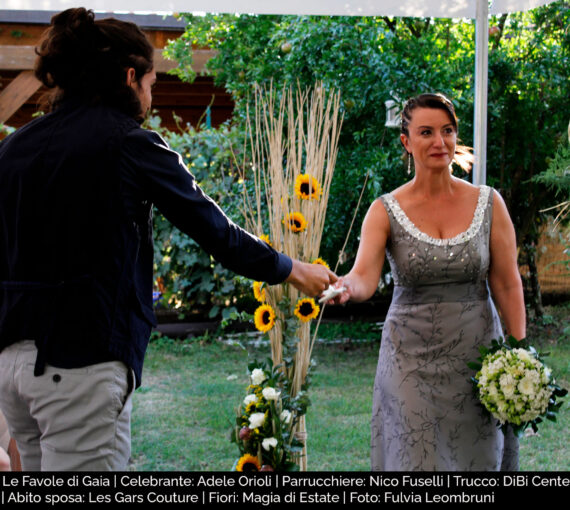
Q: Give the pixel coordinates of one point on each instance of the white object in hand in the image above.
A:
(331, 293)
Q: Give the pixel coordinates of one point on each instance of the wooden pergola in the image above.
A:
(20, 91)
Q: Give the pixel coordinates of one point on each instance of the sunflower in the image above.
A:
(321, 262)
(259, 291)
(306, 309)
(264, 318)
(307, 187)
(296, 222)
(248, 463)
(265, 237)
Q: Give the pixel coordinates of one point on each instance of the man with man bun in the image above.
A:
(77, 188)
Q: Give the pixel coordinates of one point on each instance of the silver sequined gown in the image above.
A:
(424, 415)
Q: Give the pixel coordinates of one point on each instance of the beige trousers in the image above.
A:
(66, 419)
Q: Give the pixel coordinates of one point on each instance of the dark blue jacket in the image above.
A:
(76, 249)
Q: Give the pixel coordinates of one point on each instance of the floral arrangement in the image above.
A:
(293, 144)
(514, 385)
(266, 421)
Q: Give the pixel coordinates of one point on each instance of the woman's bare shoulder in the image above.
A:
(466, 188)
(378, 207)
(377, 216)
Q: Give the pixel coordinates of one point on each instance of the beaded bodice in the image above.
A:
(417, 259)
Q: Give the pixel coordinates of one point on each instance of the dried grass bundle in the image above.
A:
(293, 144)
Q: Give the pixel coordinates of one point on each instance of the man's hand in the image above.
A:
(310, 279)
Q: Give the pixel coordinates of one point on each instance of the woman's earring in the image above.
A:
(409, 163)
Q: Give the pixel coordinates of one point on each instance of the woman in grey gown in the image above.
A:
(450, 246)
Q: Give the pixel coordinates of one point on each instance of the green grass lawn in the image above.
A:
(186, 405)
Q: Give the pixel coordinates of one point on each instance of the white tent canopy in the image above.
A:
(411, 8)
(478, 10)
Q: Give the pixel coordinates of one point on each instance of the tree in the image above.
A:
(529, 102)
(373, 59)
(365, 58)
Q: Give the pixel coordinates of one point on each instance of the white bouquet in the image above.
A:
(515, 386)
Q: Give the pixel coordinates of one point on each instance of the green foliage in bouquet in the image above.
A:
(514, 385)
(266, 420)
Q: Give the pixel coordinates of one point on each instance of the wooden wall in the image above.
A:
(170, 95)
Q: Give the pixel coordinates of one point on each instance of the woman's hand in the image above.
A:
(342, 286)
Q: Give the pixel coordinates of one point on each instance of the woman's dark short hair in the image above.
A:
(80, 57)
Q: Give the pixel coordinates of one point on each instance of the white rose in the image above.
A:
(256, 420)
(524, 355)
(249, 399)
(270, 394)
(496, 366)
(526, 385)
(543, 399)
(286, 416)
(269, 442)
(507, 385)
(258, 376)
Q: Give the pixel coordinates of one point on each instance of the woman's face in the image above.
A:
(432, 138)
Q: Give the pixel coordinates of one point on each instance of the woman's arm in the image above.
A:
(362, 280)
(504, 276)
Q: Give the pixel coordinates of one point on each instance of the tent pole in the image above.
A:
(481, 80)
